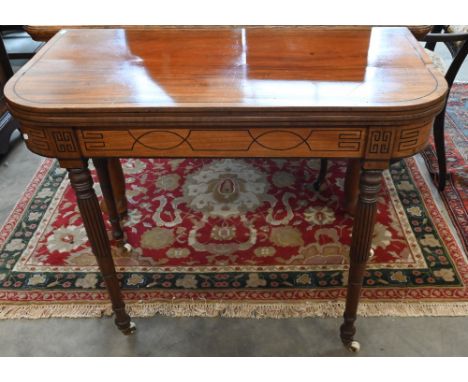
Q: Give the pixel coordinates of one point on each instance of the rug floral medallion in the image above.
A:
(232, 237)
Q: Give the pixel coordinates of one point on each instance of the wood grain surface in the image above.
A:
(302, 69)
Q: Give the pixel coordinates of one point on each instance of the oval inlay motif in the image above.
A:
(161, 140)
(280, 140)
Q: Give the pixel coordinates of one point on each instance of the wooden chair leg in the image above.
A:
(351, 187)
(7, 126)
(322, 173)
(102, 169)
(364, 221)
(439, 141)
(117, 181)
(82, 183)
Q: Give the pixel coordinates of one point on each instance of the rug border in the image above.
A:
(15, 216)
(235, 309)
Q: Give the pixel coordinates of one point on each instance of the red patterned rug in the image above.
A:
(455, 195)
(245, 238)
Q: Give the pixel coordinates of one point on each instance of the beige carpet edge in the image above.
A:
(235, 309)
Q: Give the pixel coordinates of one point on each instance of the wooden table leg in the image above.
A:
(102, 169)
(351, 187)
(364, 221)
(82, 183)
(117, 181)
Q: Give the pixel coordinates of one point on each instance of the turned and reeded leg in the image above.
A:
(109, 199)
(364, 221)
(82, 183)
(351, 186)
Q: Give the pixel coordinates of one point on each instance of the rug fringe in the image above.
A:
(236, 309)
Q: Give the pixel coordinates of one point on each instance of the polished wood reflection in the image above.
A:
(241, 67)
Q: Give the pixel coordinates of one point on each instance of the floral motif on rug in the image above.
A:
(231, 230)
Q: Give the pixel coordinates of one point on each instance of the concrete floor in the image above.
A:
(165, 336)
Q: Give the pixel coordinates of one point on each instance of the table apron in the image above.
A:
(370, 142)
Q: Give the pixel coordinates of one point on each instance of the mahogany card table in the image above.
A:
(366, 94)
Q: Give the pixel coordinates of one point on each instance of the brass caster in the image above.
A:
(130, 330)
(353, 346)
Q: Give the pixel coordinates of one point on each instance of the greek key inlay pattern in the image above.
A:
(409, 138)
(64, 141)
(380, 141)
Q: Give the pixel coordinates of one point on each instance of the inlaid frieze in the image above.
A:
(226, 142)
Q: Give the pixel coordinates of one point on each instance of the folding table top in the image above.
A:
(145, 70)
